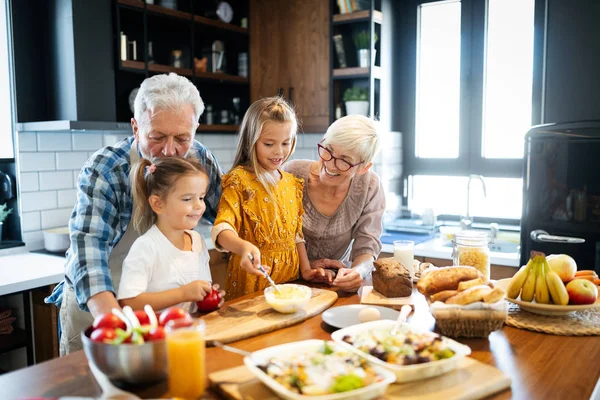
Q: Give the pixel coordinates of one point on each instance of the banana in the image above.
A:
(557, 288)
(542, 295)
(516, 283)
(528, 290)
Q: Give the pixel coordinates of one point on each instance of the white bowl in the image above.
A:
(288, 306)
(405, 373)
(57, 239)
(287, 350)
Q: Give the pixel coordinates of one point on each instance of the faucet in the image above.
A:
(465, 223)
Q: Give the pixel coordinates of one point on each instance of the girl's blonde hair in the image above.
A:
(355, 133)
(269, 109)
(157, 177)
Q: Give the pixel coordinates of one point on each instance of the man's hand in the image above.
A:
(102, 303)
(348, 279)
(326, 263)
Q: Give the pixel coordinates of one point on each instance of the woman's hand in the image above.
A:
(195, 290)
(251, 266)
(318, 275)
(348, 279)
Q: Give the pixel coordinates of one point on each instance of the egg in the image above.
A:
(369, 314)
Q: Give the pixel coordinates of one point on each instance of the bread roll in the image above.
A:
(495, 295)
(464, 285)
(443, 295)
(446, 279)
(471, 295)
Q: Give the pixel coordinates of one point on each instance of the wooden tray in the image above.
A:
(472, 380)
(373, 297)
(254, 316)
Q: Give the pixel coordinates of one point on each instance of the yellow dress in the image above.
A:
(271, 226)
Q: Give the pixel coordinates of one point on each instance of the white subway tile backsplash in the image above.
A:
(88, 141)
(56, 180)
(37, 162)
(27, 141)
(71, 160)
(111, 139)
(29, 182)
(310, 140)
(304, 154)
(31, 221)
(56, 218)
(60, 141)
(75, 178)
(36, 201)
(34, 240)
(224, 156)
(67, 198)
(225, 166)
(220, 141)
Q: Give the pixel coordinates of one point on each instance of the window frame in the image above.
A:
(472, 70)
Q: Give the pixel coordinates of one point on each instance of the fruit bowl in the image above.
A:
(293, 297)
(546, 309)
(127, 363)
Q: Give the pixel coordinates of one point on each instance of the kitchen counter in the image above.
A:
(541, 366)
(25, 271)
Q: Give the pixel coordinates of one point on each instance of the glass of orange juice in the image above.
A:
(186, 353)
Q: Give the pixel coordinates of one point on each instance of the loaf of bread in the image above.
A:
(446, 279)
(391, 279)
(470, 295)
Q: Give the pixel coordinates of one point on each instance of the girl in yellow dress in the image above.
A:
(260, 212)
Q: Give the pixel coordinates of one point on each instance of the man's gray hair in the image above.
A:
(164, 91)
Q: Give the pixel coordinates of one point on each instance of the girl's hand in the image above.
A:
(221, 294)
(319, 275)
(196, 290)
(249, 266)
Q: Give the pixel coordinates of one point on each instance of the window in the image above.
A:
(6, 109)
(474, 79)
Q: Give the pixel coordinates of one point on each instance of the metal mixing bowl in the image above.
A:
(127, 363)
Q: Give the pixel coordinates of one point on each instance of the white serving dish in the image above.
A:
(288, 306)
(289, 349)
(546, 309)
(344, 316)
(405, 373)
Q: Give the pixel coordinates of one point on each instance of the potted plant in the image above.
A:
(4, 211)
(362, 42)
(357, 101)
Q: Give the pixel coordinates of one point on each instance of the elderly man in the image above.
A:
(167, 109)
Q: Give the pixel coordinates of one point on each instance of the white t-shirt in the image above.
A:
(154, 264)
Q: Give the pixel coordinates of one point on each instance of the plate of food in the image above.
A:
(412, 353)
(317, 369)
(551, 309)
(344, 316)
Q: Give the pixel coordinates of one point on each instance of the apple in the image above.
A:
(108, 320)
(563, 265)
(582, 291)
(173, 314)
(210, 302)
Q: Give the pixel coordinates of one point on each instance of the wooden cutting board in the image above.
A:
(472, 380)
(254, 316)
(371, 296)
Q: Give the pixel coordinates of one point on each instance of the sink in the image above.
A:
(499, 246)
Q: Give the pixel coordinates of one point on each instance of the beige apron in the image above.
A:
(72, 319)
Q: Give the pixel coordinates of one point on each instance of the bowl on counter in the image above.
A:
(127, 363)
(57, 239)
(291, 299)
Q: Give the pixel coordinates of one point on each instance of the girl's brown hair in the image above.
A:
(274, 109)
(157, 177)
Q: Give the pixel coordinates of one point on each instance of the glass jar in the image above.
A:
(471, 249)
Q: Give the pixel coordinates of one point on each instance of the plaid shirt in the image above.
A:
(102, 214)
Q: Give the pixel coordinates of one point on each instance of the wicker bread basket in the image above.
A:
(475, 320)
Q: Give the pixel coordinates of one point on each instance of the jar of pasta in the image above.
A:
(471, 248)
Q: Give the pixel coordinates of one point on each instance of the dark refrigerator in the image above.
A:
(561, 192)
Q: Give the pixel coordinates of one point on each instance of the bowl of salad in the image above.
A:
(320, 370)
(411, 354)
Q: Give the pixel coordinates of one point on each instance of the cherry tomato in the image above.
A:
(103, 335)
(173, 313)
(210, 302)
(108, 320)
(157, 333)
(142, 317)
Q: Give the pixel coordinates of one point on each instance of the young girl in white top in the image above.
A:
(167, 265)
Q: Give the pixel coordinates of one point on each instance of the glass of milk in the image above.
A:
(404, 253)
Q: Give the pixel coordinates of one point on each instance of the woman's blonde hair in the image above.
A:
(269, 109)
(356, 133)
(157, 177)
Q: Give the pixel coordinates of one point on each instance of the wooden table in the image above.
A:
(541, 366)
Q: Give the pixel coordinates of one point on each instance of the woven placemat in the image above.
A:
(579, 323)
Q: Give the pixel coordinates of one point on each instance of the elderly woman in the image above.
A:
(343, 201)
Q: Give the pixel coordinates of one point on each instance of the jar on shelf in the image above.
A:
(471, 249)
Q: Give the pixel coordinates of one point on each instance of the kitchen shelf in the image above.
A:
(358, 16)
(130, 64)
(218, 128)
(132, 3)
(156, 9)
(221, 77)
(355, 72)
(219, 24)
(16, 340)
(167, 68)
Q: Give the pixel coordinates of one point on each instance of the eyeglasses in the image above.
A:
(341, 164)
